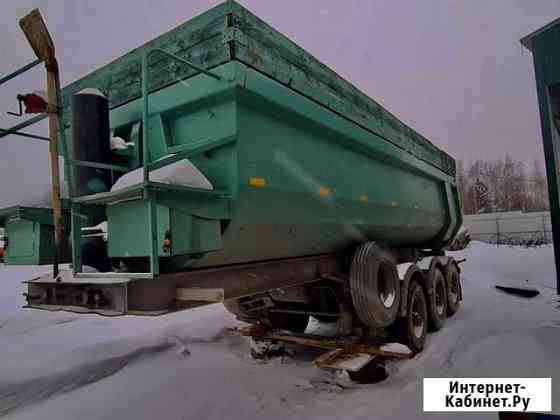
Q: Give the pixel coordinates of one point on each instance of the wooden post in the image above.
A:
(36, 32)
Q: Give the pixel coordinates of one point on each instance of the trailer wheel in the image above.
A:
(438, 301)
(414, 326)
(374, 285)
(453, 288)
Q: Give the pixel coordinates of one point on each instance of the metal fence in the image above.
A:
(511, 228)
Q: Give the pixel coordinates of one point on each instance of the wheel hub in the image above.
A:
(440, 302)
(417, 319)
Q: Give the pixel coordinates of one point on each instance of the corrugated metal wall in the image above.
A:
(510, 227)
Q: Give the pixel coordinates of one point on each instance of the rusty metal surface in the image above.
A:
(248, 279)
(149, 296)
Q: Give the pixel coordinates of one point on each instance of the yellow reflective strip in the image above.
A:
(395, 204)
(257, 182)
(324, 191)
(364, 198)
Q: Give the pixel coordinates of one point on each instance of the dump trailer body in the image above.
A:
(249, 167)
(302, 163)
(291, 178)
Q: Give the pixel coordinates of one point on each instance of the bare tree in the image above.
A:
(538, 189)
(462, 187)
(501, 185)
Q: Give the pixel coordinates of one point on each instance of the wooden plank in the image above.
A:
(382, 350)
(200, 294)
(340, 359)
(36, 32)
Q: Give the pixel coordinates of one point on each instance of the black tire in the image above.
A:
(414, 326)
(371, 373)
(453, 287)
(296, 323)
(374, 285)
(438, 300)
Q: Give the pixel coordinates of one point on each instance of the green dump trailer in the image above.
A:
(235, 167)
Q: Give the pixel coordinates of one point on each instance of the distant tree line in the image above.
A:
(501, 185)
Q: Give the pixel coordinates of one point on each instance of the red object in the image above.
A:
(35, 103)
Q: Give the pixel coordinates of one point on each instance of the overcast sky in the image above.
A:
(453, 70)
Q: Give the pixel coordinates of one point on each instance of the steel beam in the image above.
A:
(22, 125)
(171, 292)
(28, 135)
(19, 71)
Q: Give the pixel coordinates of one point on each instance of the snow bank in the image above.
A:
(186, 365)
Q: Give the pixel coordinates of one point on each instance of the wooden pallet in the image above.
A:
(347, 353)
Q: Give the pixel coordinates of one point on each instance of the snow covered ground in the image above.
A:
(186, 365)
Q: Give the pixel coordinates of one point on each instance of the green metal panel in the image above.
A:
(23, 236)
(31, 235)
(193, 235)
(377, 192)
(31, 243)
(546, 58)
(130, 237)
(129, 228)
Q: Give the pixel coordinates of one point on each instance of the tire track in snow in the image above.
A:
(16, 395)
(33, 328)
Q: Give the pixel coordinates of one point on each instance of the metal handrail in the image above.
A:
(152, 213)
(14, 130)
(145, 94)
(89, 164)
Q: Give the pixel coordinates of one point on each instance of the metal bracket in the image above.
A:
(20, 112)
(234, 34)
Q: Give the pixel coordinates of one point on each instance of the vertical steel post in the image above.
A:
(544, 46)
(76, 226)
(550, 153)
(145, 123)
(149, 198)
(153, 226)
